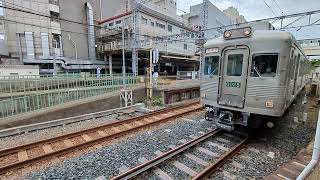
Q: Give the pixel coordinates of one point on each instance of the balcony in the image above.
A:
(54, 6)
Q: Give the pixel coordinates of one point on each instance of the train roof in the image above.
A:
(257, 35)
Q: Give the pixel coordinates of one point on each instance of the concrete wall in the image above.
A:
(26, 22)
(75, 11)
(216, 18)
(106, 103)
(113, 8)
(7, 70)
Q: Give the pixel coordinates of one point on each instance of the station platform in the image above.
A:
(176, 91)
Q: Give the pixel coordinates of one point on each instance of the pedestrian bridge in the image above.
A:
(311, 47)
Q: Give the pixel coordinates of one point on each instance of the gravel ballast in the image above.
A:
(271, 148)
(107, 161)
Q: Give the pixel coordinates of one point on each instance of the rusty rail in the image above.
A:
(182, 110)
(221, 161)
(202, 175)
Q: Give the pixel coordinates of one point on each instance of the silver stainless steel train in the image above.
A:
(250, 74)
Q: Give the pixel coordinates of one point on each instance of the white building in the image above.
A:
(235, 16)
(37, 31)
(18, 70)
(156, 18)
(216, 18)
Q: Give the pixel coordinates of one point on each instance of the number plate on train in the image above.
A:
(233, 84)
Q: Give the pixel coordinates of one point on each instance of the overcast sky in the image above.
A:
(257, 9)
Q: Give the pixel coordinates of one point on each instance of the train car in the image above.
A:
(248, 74)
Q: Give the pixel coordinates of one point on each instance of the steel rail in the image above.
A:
(150, 164)
(221, 161)
(75, 134)
(86, 144)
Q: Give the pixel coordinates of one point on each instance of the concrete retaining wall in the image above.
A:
(90, 105)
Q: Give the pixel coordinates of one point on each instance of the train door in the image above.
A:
(234, 77)
(290, 76)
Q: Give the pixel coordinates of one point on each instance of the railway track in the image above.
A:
(214, 138)
(20, 156)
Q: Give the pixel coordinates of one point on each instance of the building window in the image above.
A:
(144, 20)
(56, 40)
(152, 23)
(234, 67)
(160, 25)
(118, 22)
(264, 64)
(110, 24)
(55, 2)
(185, 46)
(1, 9)
(211, 65)
(54, 16)
(169, 28)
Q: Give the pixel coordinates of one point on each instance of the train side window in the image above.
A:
(234, 67)
(264, 65)
(211, 65)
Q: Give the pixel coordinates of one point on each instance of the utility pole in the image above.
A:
(123, 60)
(150, 87)
(54, 59)
(203, 38)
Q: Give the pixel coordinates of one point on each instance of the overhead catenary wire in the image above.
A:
(277, 4)
(269, 7)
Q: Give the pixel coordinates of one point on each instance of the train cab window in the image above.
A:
(264, 65)
(211, 65)
(234, 67)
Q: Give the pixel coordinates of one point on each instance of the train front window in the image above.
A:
(234, 67)
(211, 65)
(264, 65)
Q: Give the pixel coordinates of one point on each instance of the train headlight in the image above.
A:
(247, 31)
(227, 34)
(269, 103)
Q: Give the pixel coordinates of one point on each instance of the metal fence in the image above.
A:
(34, 93)
(187, 75)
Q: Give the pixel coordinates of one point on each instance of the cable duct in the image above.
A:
(91, 36)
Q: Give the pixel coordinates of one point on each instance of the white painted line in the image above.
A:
(197, 160)
(142, 159)
(228, 175)
(228, 135)
(210, 129)
(283, 177)
(217, 145)
(123, 169)
(168, 130)
(206, 151)
(254, 150)
(201, 132)
(158, 153)
(101, 178)
(184, 168)
(237, 165)
(223, 140)
(172, 146)
(183, 141)
(190, 120)
(299, 164)
(193, 136)
(202, 120)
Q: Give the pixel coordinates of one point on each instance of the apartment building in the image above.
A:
(235, 16)
(51, 32)
(216, 19)
(156, 18)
